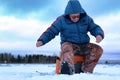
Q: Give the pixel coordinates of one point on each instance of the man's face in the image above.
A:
(74, 17)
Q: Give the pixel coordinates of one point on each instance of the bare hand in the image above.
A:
(39, 43)
(98, 38)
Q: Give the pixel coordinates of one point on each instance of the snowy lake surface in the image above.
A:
(47, 72)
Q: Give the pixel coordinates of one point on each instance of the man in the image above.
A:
(73, 27)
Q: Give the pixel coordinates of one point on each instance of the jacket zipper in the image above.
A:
(78, 32)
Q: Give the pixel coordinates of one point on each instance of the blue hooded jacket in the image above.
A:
(74, 32)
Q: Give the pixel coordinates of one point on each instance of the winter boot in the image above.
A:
(78, 67)
(78, 61)
(66, 69)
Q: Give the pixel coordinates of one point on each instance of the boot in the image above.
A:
(66, 69)
(78, 67)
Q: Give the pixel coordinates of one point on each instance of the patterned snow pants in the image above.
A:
(90, 52)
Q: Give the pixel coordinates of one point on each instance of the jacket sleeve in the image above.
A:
(51, 32)
(94, 28)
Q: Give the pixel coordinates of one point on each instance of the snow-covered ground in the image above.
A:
(47, 72)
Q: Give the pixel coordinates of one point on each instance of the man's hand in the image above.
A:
(98, 38)
(39, 43)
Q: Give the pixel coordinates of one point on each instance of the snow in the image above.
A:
(47, 72)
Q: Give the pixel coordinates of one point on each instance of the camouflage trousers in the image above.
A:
(90, 52)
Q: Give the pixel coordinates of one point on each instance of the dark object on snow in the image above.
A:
(78, 66)
(66, 69)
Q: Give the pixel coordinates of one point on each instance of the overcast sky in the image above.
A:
(23, 21)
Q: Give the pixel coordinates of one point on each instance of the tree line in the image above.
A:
(35, 58)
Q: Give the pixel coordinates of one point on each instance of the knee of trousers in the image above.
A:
(66, 47)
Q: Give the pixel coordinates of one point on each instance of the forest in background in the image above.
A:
(47, 59)
(31, 58)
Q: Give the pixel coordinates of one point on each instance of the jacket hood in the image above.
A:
(73, 7)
